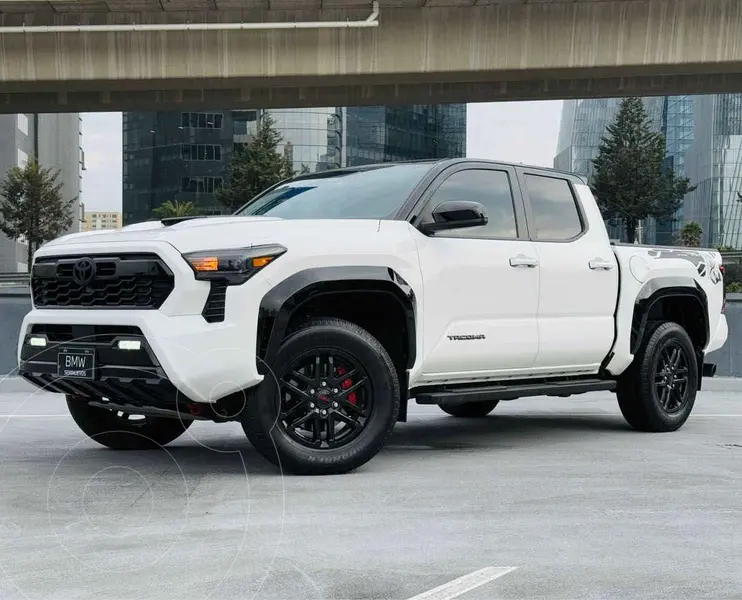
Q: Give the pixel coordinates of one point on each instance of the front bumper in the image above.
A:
(183, 356)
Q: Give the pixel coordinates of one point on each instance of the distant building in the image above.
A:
(583, 125)
(56, 140)
(714, 164)
(184, 156)
(101, 220)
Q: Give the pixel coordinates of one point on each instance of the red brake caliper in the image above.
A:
(346, 384)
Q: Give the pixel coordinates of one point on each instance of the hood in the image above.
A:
(219, 232)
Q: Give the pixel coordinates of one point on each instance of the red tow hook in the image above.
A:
(195, 409)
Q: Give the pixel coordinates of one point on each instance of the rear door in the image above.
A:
(480, 283)
(579, 274)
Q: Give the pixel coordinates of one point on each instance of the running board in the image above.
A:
(511, 392)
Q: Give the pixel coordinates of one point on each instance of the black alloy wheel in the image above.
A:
(329, 402)
(326, 398)
(658, 391)
(671, 378)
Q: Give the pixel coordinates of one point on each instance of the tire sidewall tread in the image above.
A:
(264, 432)
(637, 394)
(469, 410)
(103, 426)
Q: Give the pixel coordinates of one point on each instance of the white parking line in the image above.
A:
(33, 416)
(412, 447)
(464, 584)
(526, 415)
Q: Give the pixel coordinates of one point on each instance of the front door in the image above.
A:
(481, 284)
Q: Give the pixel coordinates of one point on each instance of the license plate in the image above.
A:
(76, 363)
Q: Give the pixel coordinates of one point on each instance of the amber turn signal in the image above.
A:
(206, 263)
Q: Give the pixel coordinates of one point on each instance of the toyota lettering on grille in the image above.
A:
(84, 271)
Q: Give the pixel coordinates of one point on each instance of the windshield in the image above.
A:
(367, 194)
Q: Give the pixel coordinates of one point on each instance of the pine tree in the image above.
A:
(631, 181)
(32, 206)
(255, 167)
(171, 208)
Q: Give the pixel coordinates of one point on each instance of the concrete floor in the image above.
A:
(559, 488)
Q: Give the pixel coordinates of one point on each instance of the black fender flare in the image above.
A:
(280, 303)
(657, 289)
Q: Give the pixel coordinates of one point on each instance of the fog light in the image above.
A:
(37, 341)
(129, 345)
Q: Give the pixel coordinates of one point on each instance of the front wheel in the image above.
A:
(658, 391)
(122, 431)
(330, 402)
(470, 410)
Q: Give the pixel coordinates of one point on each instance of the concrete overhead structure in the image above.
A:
(414, 52)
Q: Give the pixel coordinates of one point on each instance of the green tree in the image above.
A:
(32, 206)
(630, 179)
(255, 167)
(171, 208)
(690, 234)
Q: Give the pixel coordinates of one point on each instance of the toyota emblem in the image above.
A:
(84, 271)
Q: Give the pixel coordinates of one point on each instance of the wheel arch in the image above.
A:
(281, 306)
(678, 299)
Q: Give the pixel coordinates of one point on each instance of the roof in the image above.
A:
(435, 162)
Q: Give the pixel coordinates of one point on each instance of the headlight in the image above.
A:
(233, 266)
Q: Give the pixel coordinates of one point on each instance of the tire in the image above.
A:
(121, 433)
(640, 390)
(470, 410)
(373, 391)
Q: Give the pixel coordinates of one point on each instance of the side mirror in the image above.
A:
(455, 214)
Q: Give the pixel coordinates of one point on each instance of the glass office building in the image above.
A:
(714, 164)
(185, 156)
(56, 141)
(382, 134)
(583, 125)
(312, 137)
(173, 156)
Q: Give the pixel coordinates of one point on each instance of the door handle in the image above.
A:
(597, 265)
(523, 261)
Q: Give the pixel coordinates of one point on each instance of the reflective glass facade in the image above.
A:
(714, 164)
(173, 156)
(185, 156)
(312, 137)
(677, 126)
(383, 134)
(583, 125)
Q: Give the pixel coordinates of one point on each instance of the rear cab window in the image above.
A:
(555, 214)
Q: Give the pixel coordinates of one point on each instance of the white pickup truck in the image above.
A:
(319, 309)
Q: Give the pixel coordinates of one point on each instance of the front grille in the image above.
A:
(134, 281)
(213, 311)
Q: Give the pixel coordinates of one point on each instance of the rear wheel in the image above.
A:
(330, 403)
(470, 410)
(122, 431)
(658, 391)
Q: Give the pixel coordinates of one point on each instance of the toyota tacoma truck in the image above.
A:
(317, 311)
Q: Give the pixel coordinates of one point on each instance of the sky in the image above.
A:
(521, 132)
